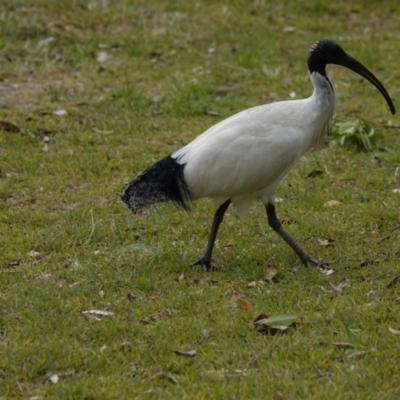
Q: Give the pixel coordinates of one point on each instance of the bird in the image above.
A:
(243, 158)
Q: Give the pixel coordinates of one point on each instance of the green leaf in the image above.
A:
(280, 320)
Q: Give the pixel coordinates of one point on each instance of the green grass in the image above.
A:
(170, 67)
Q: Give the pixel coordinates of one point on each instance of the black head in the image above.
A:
(325, 51)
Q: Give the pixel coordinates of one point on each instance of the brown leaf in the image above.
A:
(131, 297)
(375, 160)
(244, 305)
(278, 396)
(271, 272)
(314, 173)
(9, 127)
(235, 48)
(260, 319)
(287, 221)
(393, 282)
(80, 104)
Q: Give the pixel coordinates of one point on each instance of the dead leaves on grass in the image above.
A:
(9, 127)
(93, 315)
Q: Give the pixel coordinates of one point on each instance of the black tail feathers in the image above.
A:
(163, 182)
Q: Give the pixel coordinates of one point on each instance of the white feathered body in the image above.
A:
(244, 157)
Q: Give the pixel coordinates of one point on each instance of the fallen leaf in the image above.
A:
(131, 297)
(393, 282)
(354, 353)
(54, 378)
(201, 281)
(376, 160)
(325, 242)
(126, 345)
(237, 296)
(213, 113)
(280, 320)
(60, 113)
(102, 56)
(395, 331)
(271, 273)
(336, 289)
(396, 190)
(189, 353)
(34, 254)
(162, 375)
(314, 173)
(254, 284)
(331, 203)
(45, 147)
(102, 348)
(9, 127)
(98, 312)
(288, 29)
(343, 345)
(91, 317)
(261, 319)
(102, 132)
(275, 324)
(327, 272)
(244, 305)
(278, 396)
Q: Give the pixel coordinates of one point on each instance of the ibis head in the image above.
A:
(325, 51)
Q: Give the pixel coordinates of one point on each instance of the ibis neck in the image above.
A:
(323, 97)
(321, 103)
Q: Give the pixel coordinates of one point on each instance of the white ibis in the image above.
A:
(244, 157)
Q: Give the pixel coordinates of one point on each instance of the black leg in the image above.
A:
(277, 227)
(205, 261)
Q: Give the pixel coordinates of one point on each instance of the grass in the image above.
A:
(138, 80)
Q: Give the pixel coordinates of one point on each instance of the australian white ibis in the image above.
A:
(244, 157)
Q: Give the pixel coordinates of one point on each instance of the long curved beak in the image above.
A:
(351, 63)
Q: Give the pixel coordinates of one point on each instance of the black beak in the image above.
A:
(349, 62)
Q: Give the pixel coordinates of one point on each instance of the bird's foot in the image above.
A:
(310, 262)
(206, 265)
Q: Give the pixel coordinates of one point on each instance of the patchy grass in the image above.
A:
(138, 80)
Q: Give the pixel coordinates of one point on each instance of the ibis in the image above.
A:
(243, 158)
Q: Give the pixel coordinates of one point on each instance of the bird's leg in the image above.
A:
(205, 261)
(275, 224)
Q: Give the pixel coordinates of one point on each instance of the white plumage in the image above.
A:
(243, 158)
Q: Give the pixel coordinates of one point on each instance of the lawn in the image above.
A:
(92, 93)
